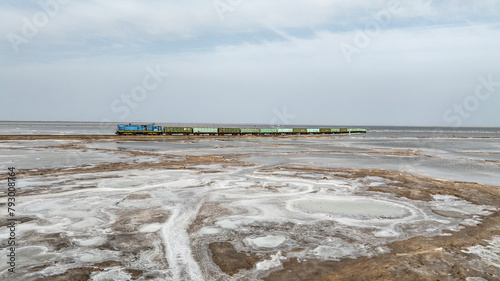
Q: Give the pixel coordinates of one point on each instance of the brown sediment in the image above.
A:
(229, 260)
(107, 264)
(141, 196)
(207, 214)
(132, 245)
(18, 219)
(39, 267)
(419, 258)
(131, 220)
(84, 273)
(134, 273)
(55, 241)
(74, 274)
(267, 187)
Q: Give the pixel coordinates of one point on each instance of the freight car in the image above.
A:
(250, 131)
(178, 130)
(159, 130)
(229, 131)
(205, 131)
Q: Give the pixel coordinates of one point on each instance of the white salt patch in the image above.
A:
(376, 183)
(490, 254)
(211, 167)
(88, 222)
(312, 176)
(210, 230)
(386, 233)
(268, 241)
(328, 252)
(375, 178)
(86, 257)
(116, 274)
(228, 224)
(355, 208)
(90, 242)
(471, 222)
(453, 203)
(274, 262)
(153, 227)
(123, 183)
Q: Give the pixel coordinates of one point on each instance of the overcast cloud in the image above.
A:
(319, 62)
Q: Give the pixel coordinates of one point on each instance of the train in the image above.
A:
(153, 129)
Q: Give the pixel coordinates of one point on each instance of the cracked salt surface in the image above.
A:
(86, 214)
(281, 213)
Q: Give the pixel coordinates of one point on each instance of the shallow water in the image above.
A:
(354, 208)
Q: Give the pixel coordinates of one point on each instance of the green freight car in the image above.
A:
(300, 130)
(250, 131)
(356, 130)
(325, 130)
(205, 130)
(177, 130)
(285, 130)
(234, 131)
(313, 131)
(268, 131)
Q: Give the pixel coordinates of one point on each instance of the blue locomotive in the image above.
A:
(139, 129)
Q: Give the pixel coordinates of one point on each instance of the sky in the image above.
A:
(321, 62)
